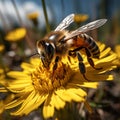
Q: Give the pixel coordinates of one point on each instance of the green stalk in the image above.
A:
(27, 38)
(46, 16)
(2, 65)
(17, 12)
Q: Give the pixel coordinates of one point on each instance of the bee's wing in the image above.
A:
(90, 26)
(65, 22)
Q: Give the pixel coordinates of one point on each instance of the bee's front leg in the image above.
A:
(56, 63)
(71, 53)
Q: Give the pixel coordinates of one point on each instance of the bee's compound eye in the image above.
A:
(46, 51)
(49, 48)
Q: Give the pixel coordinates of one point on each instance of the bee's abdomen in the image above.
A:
(91, 45)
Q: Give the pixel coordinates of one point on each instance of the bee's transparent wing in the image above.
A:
(65, 22)
(90, 26)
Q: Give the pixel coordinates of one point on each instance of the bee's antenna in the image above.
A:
(33, 55)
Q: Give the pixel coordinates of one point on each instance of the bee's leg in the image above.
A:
(72, 53)
(91, 62)
(56, 62)
(81, 65)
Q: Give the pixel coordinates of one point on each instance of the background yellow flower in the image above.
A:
(33, 15)
(79, 18)
(117, 50)
(16, 35)
(2, 47)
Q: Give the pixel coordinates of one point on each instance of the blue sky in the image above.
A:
(90, 7)
(57, 9)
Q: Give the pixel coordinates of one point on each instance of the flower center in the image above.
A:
(45, 80)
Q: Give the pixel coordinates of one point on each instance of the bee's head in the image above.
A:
(46, 52)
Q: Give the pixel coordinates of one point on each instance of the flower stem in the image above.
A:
(46, 16)
(27, 37)
(2, 65)
(17, 12)
(70, 112)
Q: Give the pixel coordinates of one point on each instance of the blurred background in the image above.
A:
(22, 23)
(15, 13)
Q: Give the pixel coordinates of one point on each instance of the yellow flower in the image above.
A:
(80, 18)
(37, 86)
(16, 35)
(2, 76)
(33, 15)
(117, 50)
(2, 47)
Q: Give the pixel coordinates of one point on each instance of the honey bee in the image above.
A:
(61, 42)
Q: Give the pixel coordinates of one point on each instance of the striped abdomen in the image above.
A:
(91, 45)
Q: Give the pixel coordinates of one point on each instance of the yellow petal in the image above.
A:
(107, 59)
(17, 74)
(20, 87)
(35, 61)
(9, 98)
(27, 67)
(62, 94)
(2, 89)
(101, 46)
(105, 52)
(21, 110)
(80, 84)
(90, 84)
(57, 102)
(98, 77)
(15, 103)
(48, 109)
(104, 68)
(77, 90)
(35, 102)
(75, 97)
